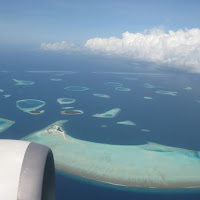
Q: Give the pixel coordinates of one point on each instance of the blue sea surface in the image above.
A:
(172, 120)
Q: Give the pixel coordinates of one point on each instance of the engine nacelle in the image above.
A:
(27, 171)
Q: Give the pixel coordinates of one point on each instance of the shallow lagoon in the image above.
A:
(5, 124)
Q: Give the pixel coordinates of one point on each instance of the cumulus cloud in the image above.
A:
(180, 49)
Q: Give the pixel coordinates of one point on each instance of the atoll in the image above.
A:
(150, 165)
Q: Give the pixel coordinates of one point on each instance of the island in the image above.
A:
(5, 124)
(71, 112)
(151, 166)
(36, 112)
(30, 106)
(108, 114)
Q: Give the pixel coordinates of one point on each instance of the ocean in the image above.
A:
(170, 119)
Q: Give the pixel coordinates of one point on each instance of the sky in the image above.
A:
(77, 24)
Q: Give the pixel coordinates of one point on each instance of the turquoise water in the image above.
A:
(2, 122)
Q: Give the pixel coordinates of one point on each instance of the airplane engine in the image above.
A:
(27, 171)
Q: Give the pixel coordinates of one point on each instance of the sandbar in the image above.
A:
(149, 165)
(22, 82)
(108, 114)
(127, 122)
(5, 124)
(65, 100)
(30, 106)
(101, 95)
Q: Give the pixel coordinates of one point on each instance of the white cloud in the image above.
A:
(180, 49)
(59, 46)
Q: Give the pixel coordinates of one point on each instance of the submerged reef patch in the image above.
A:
(148, 85)
(148, 98)
(166, 92)
(145, 130)
(56, 79)
(22, 82)
(123, 89)
(101, 95)
(5, 124)
(144, 166)
(127, 122)
(6, 95)
(187, 88)
(76, 88)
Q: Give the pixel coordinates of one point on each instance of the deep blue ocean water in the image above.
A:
(172, 120)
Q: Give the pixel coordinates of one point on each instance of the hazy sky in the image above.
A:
(159, 31)
(35, 21)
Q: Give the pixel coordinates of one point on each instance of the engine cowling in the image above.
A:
(27, 171)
